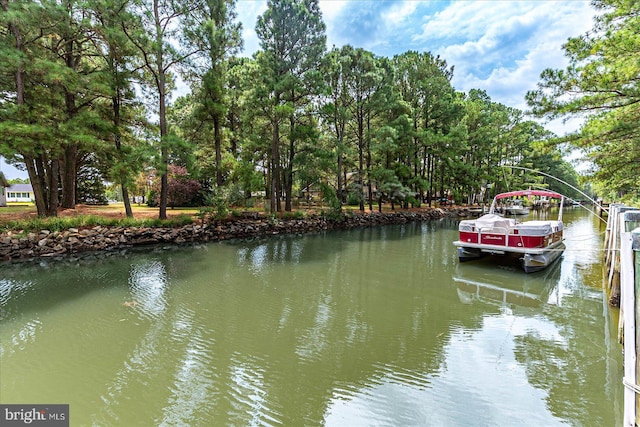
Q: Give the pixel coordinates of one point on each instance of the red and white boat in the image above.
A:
(537, 243)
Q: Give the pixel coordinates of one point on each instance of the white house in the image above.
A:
(3, 189)
(20, 193)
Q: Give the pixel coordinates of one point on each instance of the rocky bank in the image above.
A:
(17, 245)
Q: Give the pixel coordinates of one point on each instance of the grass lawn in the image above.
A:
(22, 216)
(17, 208)
(18, 216)
(139, 211)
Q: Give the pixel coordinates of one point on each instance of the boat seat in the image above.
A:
(538, 228)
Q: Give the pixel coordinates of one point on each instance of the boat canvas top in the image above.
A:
(538, 228)
(528, 193)
(493, 220)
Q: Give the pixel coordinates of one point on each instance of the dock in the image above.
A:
(622, 281)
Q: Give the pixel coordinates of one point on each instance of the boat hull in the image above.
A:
(469, 254)
(532, 259)
(536, 262)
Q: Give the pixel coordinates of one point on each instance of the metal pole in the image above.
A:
(557, 179)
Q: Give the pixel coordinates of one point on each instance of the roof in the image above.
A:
(20, 187)
(3, 180)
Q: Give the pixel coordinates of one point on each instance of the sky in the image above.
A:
(499, 46)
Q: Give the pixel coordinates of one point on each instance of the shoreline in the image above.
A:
(17, 246)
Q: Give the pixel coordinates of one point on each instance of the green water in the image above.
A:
(376, 326)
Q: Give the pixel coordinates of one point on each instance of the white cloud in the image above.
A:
(504, 50)
(248, 12)
(498, 46)
(466, 19)
(331, 10)
(398, 14)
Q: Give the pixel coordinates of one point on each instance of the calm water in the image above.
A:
(378, 326)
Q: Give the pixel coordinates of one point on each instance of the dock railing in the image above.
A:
(622, 259)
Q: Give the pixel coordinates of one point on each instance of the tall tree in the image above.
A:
(28, 121)
(292, 37)
(601, 82)
(211, 29)
(424, 83)
(110, 18)
(80, 86)
(363, 84)
(486, 123)
(160, 21)
(335, 112)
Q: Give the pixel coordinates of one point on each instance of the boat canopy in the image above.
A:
(546, 193)
(529, 193)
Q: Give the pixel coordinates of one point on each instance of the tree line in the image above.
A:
(86, 87)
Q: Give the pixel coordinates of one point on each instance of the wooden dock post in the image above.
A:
(616, 225)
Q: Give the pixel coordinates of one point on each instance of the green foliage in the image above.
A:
(234, 195)
(293, 215)
(152, 198)
(64, 223)
(219, 203)
(292, 36)
(291, 118)
(205, 213)
(91, 188)
(330, 198)
(390, 188)
(18, 181)
(354, 195)
(601, 83)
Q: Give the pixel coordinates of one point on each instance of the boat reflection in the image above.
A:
(505, 287)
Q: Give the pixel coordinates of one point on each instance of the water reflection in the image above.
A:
(248, 394)
(193, 394)
(20, 339)
(379, 326)
(148, 283)
(505, 287)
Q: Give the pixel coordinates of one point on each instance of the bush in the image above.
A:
(330, 197)
(64, 223)
(354, 195)
(205, 213)
(152, 199)
(218, 203)
(293, 215)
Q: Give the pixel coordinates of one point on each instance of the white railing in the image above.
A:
(621, 282)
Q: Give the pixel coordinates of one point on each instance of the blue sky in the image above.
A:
(497, 45)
